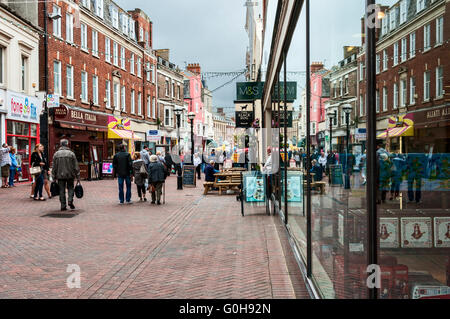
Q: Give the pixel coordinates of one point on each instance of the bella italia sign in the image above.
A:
(250, 91)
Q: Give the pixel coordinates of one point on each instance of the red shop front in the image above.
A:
(87, 133)
(22, 129)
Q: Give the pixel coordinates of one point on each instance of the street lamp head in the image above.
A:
(347, 108)
(331, 114)
(191, 116)
(178, 110)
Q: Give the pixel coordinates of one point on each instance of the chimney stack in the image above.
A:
(194, 68)
(316, 66)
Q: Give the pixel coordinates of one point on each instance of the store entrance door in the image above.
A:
(82, 152)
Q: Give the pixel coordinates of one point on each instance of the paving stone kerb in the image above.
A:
(191, 247)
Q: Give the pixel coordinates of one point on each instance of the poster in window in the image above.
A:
(389, 235)
(416, 232)
(442, 232)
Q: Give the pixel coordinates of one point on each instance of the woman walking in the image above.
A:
(139, 176)
(38, 160)
(13, 167)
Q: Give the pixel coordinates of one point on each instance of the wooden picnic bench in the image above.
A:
(223, 182)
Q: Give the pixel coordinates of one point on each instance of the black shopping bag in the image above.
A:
(79, 190)
(54, 189)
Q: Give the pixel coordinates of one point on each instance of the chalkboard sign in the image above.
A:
(189, 177)
(336, 175)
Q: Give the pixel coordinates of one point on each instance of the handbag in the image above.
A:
(54, 189)
(79, 190)
(143, 171)
(35, 170)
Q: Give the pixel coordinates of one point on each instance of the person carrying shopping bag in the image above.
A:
(140, 175)
(39, 165)
(157, 176)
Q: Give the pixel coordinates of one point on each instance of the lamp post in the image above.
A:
(347, 108)
(191, 116)
(331, 115)
(178, 111)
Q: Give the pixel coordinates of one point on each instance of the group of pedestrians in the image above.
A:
(144, 169)
(9, 165)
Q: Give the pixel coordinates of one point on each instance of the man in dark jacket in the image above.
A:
(157, 176)
(210, 171)
(123, 168)
(65, 170)
(169, 163)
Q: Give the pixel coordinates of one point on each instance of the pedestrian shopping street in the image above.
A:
(193, 246)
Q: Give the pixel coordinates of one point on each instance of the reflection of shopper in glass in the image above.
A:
(416, 164)
(267, 169)
(363, 165)
(385, 175)
(198, 165)
(317, 170)
(322, 160)
(398, 164)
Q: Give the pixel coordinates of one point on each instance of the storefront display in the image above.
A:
(86, 132)
(22, 129)
(254, 187)
(119, 132)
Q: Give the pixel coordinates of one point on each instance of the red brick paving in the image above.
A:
(191, 247)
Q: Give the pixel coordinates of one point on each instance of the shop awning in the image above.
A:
(397, 131)
(122, 134)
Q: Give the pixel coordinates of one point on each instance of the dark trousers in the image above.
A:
(141, 190)
(411, 189)
(63, 184)
(12, 175)
(39, 185)
(127, 181)
(156, 194)
(198, 169)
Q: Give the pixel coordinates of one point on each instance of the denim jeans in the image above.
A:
(12, 174)
(418, 192)
(127, 181)
(39, 185)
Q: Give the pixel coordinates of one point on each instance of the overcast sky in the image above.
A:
(211, 32)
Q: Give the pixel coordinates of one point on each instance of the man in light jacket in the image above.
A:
(65, 170)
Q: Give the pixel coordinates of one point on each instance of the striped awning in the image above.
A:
(397, 131)
(122, 134)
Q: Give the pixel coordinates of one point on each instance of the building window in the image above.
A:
(412, 45)
(69, 28)
(404, 55)
(133, 107)
(2, 63)
(98, 6)
(114, 16)
(440, 30)
(131, 28)
(420, 5)
(395, 102)
(122, 58)
(385, 25)
(196, 107)
(153, 73)
(377, 101)
(179, 92)
(393, 18)
(385, 60)
(139, 67)
(108, 93)
(83, 30)
(132, 63)
(385, 99)
(57, 77)
(139, 103)
(173, 90)
(167, 118)
(148, 106)
(57, 22)
(116, 96)
(439, 82)
(122, 98)
(167, 88)
(148, 71)
(412, 91)
(403, 92)
(403, 11)
(69, 81)
(95, 42)
(427, 37)
(361, 105)
(115, 54)
(95, 90)
(141, 34)
(24, 70)
(107, 49)
(341, 88)
(153, 107)
(377, 67)
(84, 87)
(426, 86)
(395, 53)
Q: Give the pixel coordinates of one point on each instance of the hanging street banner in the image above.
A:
(250, 91)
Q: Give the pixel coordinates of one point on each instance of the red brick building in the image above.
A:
(101, 65)
(412, 76)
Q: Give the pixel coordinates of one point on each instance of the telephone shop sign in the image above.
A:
(22, 107)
